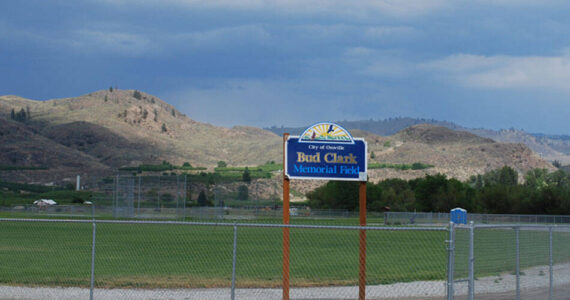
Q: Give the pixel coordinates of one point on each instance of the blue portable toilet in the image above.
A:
(458, 216)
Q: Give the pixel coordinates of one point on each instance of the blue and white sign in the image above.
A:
(326, 151)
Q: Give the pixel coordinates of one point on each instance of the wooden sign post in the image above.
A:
(362, 267)
(286, 244)
(325, 151)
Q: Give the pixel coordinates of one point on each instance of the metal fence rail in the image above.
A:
(423, 218)
(196, 213)
(124, 259)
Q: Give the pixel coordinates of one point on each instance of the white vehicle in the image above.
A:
(44, 202)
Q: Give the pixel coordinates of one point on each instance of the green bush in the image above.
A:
(493, 192)
(137, 95)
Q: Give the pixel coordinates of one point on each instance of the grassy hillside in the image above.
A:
(127, 127)
(458, 154)
(550, 147)
(103, 131)
(27, 156)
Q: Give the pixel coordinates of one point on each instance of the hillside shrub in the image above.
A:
(243, 193)
(137, 95)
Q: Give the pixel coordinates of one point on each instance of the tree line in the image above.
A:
(497, 192)
(22, 115)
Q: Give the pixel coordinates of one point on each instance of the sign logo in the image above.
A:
(326, 132)
(326, 151)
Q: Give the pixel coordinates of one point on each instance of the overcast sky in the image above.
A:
(489, 63)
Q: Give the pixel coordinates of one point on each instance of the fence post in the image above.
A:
(185, 195)
(93, 260)
(177, 195)
(518, 264)
(451, 261)
(139, 197)
(471, 261)
(362, 252)
(550, 264)
(234, 263)
(116, 197)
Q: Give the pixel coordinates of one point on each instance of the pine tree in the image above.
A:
(243, 192)
(246, 176)
(202, 199)
(13, 114)
(21, 116)
(137, 95)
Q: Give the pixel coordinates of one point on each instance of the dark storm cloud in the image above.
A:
(479, 63)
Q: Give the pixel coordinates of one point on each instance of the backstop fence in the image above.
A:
(114, 259)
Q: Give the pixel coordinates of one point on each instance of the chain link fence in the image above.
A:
(70, 259)
(196, 213)
(424, 218)
(143, 196)
(518, 261)
(112, 259)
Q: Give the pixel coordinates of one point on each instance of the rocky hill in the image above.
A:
(547, 147)
(21, 145)
(458, 154)
(126, 127)
(105, 130)
(384, 127)
(551, 148)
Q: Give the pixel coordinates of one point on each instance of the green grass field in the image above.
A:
(181, 256)
(495, 250)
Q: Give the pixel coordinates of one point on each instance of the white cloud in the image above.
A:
(505, 72)
(371, 62)
(359, 52)
(355, 8)
(323, 32)
(388, 68)
(380, 32)
(246, 34)
(112, 42)
(87, 41)
(523, 3)
(15, 35)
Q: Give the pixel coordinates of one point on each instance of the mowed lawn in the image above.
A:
(182, 256)
(495, 250)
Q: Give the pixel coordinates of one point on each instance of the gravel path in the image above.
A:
(534, 285)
